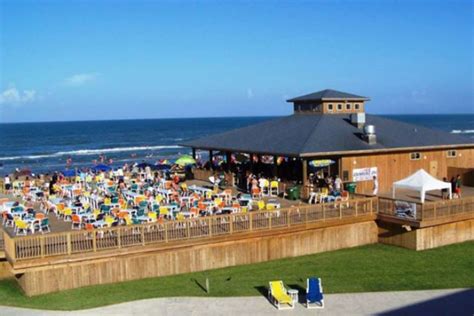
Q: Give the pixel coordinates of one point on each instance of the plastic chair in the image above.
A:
(274, 188)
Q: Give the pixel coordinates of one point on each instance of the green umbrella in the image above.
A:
(185, 160)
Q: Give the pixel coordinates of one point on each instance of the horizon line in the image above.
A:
(204, 117)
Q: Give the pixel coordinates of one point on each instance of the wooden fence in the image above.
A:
(428, 210)
(77, 242)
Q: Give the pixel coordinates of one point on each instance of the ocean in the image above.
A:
(45, 147)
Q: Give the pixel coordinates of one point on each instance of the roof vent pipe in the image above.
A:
(369, 134)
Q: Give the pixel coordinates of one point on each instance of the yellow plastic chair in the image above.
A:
(278, 295)
(152, 216)
(270, 207)
(274, 188)
(109, 220)
(164, 210)
(261, 205)
(21, 227)
(67, 214)
(107, 201)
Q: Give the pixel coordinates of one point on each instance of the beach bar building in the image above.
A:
(333, 125)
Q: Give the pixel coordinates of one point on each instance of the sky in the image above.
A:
(87, 60)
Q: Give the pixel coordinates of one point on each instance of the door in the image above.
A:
(434, 168)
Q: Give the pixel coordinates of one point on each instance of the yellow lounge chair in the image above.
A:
(278, 295)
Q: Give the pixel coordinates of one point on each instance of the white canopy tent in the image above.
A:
(421, 181)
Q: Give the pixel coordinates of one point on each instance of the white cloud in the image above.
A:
(80, 79)
(13, 96)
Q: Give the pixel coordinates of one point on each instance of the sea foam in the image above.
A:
(88, 152)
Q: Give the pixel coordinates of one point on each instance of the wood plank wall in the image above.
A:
(54, 278)
(395, 166)
(428, 237)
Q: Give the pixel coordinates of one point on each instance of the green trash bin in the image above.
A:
(293, 193)
(351, 187)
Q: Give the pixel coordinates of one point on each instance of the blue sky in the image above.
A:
(82, 60)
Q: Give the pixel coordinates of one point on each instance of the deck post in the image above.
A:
(68, 241)
(119, 239)
(251, 221)
(304, 171)
(42, 246)
(143, 235)
(94, 241)
(275, 167)
(231, 223)
(210, 226)
(211, 156)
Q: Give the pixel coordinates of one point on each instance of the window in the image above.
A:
(348, 106)
(330, 107)
(415, 156)
(356, 106)
(339, 107)
(452, 153)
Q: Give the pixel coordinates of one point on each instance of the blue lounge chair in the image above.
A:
(314, 293)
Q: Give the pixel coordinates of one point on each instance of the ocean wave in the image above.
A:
(88, 152)
(462, 131)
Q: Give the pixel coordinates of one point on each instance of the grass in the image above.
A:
(363, 269)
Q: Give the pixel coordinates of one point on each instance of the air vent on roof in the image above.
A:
(358, 120)
(369, 134)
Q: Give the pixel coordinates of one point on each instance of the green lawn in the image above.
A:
(369, 268)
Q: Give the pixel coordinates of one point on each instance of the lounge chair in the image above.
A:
(278, 296)
(314, 293)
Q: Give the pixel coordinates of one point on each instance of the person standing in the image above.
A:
(376, 186)
(458, 185)
(338, 184)
(7, 183)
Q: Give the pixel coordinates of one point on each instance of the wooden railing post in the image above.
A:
(356, 205)
(251, 221)
(324, 211)
(165, 226)
(188, 228)
(269, 220)
(69, 245)
(210, 226)
(94, 240)
(143, 234)
(119, 239)
(231, 223)
(42, 246)
(288, 218)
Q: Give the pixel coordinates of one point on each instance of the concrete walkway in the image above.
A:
(435, 302)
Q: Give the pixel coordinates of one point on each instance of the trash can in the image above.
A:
(351, 187)
(293, 193)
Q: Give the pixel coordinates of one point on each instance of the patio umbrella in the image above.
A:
(185, 160)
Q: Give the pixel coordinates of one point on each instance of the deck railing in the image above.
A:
(428, 210)
(76, 242)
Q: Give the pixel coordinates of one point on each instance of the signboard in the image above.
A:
(364, 174)
(405, 209)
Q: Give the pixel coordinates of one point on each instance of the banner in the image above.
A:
(364, 174)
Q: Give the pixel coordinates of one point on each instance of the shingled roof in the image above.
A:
(316, 135)
(328, 95)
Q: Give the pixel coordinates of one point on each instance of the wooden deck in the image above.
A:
(104, 242)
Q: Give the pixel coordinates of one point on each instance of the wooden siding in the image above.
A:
(211, 255)
(428, 237)
(395, 166)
